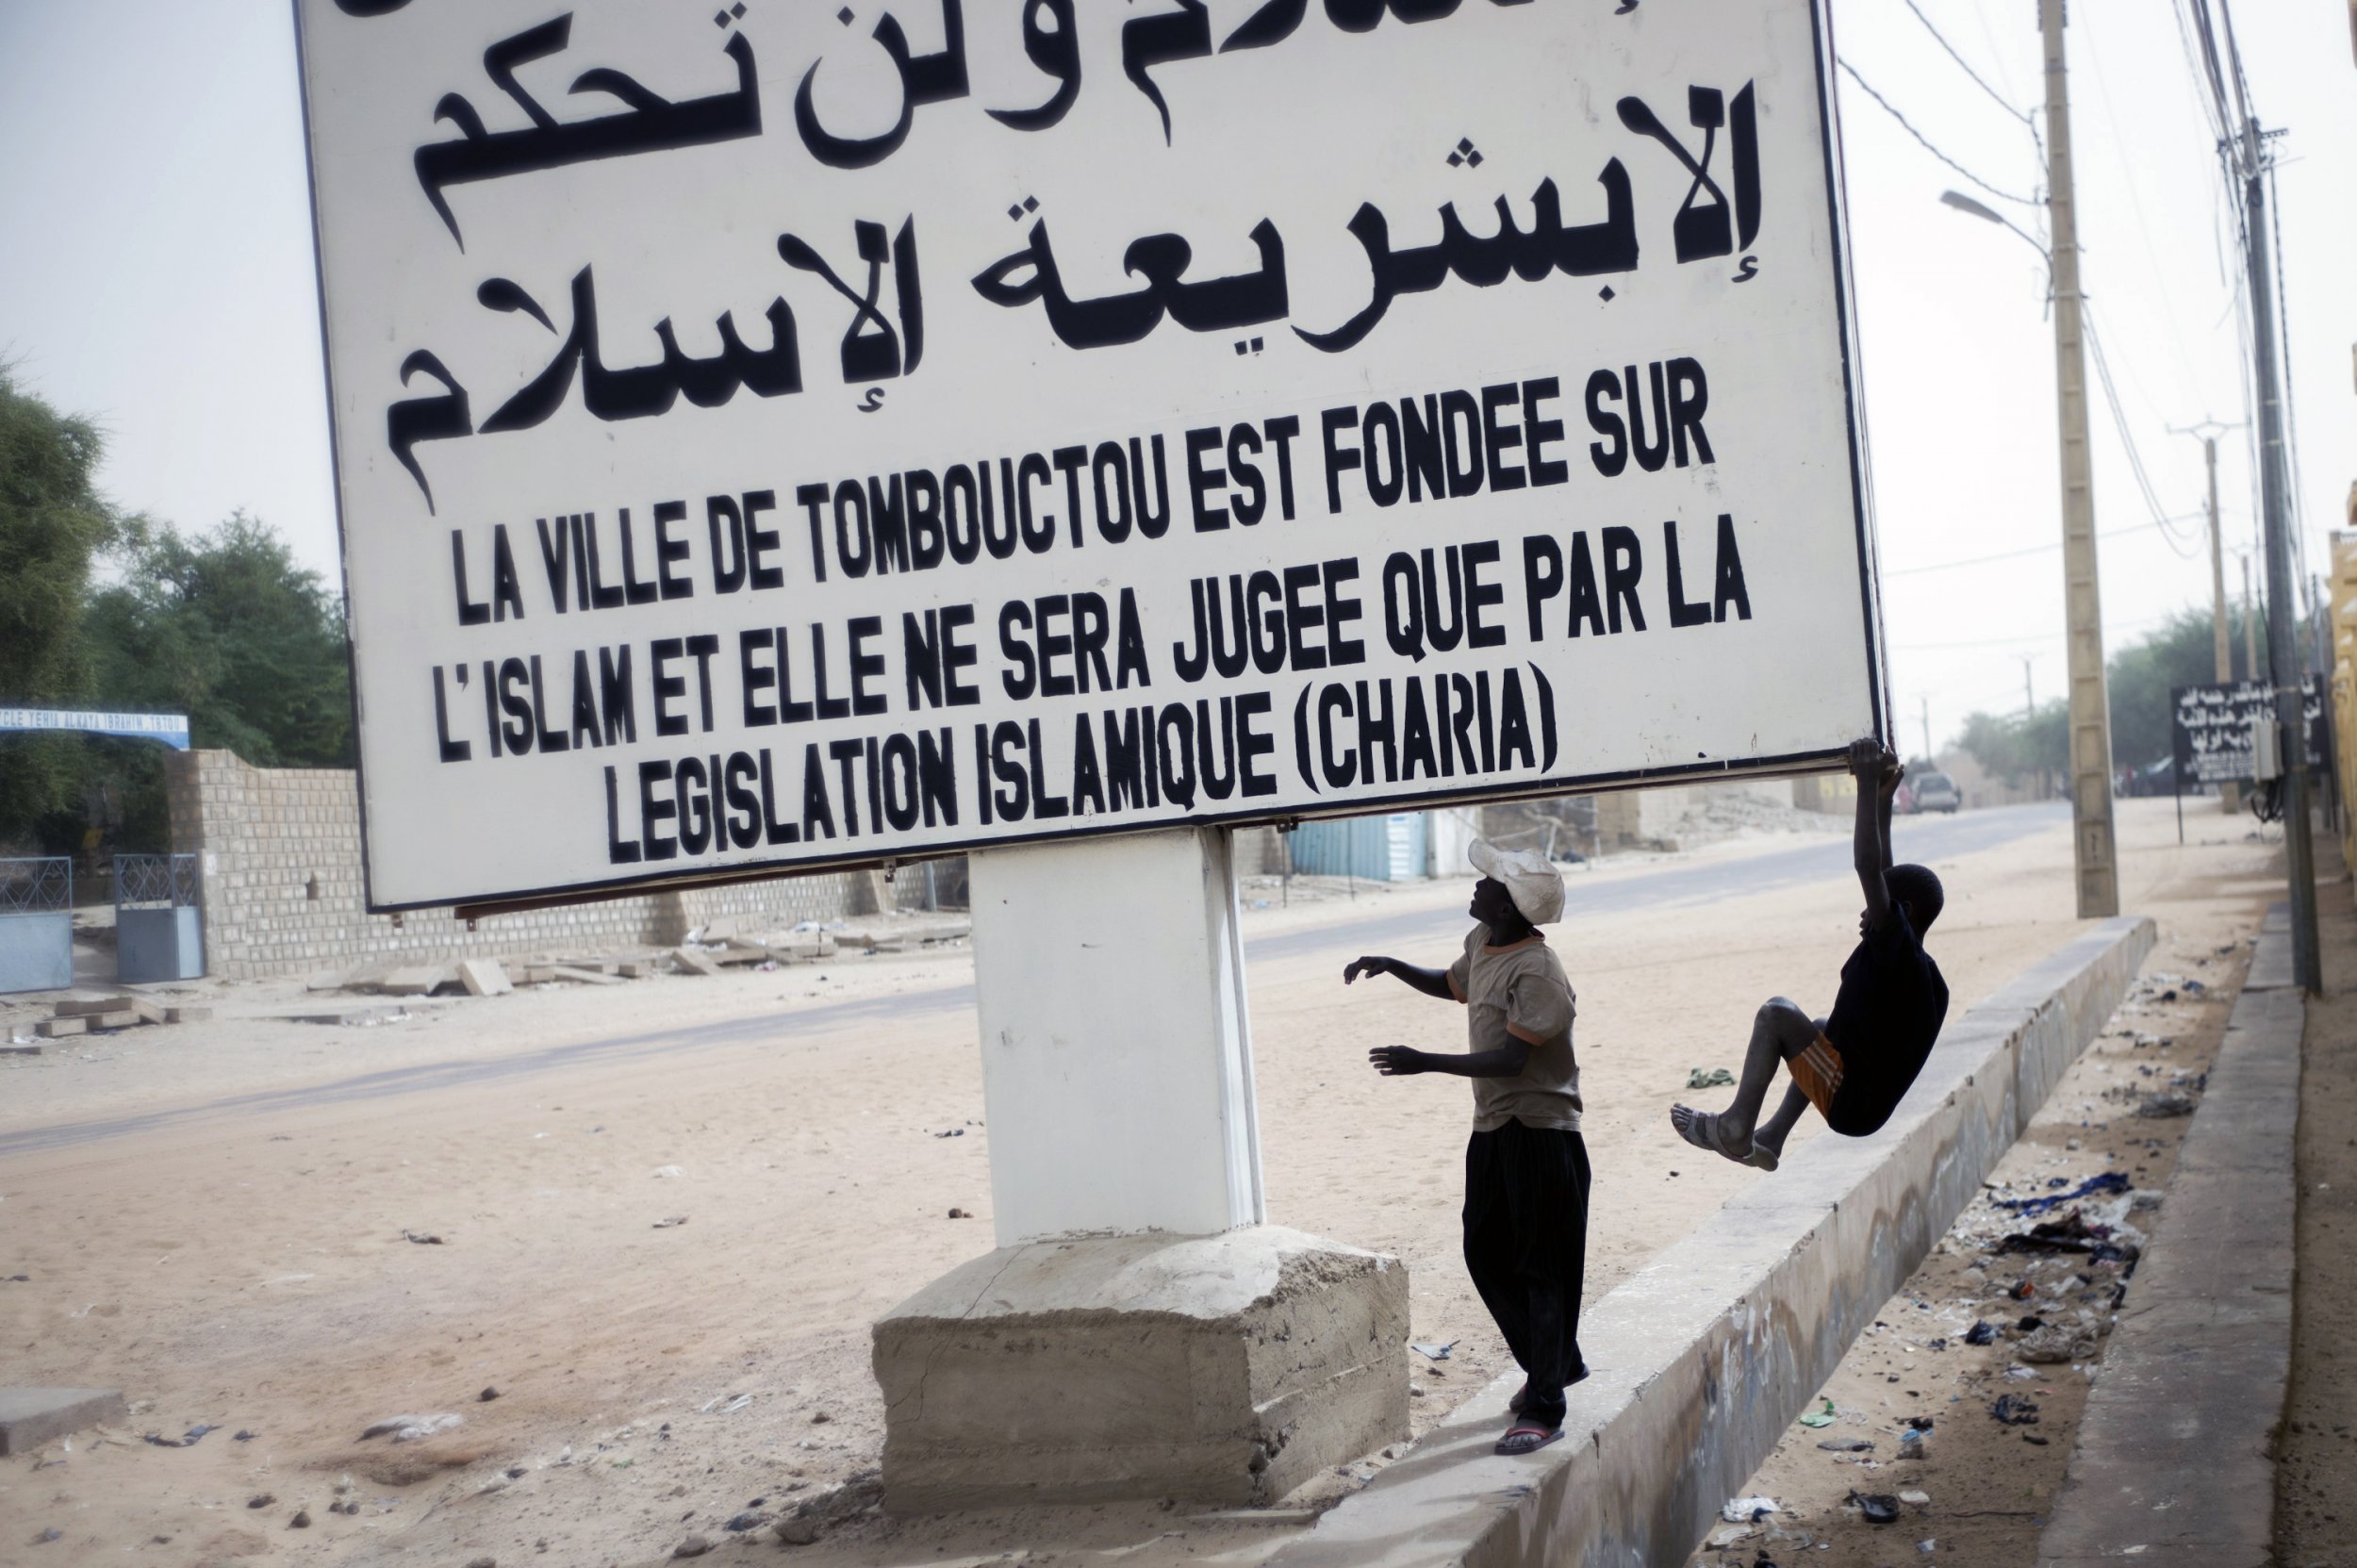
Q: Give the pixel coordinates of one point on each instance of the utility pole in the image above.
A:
(1929, 760)
(2209, 430)
(2249, 621)
(2284, 663)
(2028, 713)
(2093, 847)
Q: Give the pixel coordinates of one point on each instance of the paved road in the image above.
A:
(1917, 838)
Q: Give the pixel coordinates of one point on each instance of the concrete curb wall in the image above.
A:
(2174, 1467)
(1705, 1356)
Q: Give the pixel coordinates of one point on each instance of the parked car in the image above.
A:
(1934, 792)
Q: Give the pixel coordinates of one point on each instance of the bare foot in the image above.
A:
(1707, 1132)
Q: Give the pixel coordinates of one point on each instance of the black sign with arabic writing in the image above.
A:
(2210, 728)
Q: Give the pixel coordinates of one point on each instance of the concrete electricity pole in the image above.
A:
(2284, 662)
(2249, 621)
(2209, 430)
(1929, 761)
(2092, 842)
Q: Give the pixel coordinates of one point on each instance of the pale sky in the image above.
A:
(155, 273)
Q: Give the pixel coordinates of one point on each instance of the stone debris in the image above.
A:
(421, 980)
(412, 1428)
(484, 977)
(81, 1015)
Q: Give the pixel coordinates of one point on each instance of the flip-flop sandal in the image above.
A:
(1704, 1134)
(1761, 1158)
(1527, 1440)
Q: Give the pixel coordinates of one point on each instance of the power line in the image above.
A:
(2120, 422)
(2016, 555)
(2109, 626)
(2002, 102)
(1891, 111)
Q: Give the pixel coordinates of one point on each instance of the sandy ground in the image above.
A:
(219, 1218)
(1973, 1491)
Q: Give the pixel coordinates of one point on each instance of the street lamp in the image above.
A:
(1963, 202)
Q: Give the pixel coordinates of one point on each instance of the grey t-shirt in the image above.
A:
(1521, 986)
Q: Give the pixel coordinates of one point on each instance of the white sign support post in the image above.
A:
(775, 437)
(1139, 1332)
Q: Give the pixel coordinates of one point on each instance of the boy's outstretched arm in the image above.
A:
(1877, 781)
(1432, 983)
(1507, 1061)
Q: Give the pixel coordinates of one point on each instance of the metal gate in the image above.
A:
(156, 931)
(37, 924)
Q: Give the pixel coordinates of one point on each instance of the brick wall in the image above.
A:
(279, 849)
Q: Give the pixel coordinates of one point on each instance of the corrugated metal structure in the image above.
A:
(1389, 848)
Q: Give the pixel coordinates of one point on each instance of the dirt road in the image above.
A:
(229, 1223)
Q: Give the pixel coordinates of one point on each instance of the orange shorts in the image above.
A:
(1818, 1071)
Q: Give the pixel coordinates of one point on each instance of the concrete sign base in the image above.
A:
(1225, 1368)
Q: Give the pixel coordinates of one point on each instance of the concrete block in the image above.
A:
(57, 1029)
(85, 1008)
(484, 977)
(121, 1018)
(32, 1416)
(693, 963)
(416, 980)
(187, 1015)
(1225, 1369)
(586, 977)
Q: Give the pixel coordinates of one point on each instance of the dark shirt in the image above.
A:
(1884, 1021)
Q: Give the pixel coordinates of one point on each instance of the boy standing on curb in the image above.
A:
(1527, 1176)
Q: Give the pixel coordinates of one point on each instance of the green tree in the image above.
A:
(53, 522)
(2183, 653)
(228, 629)
(2008, 747)
(2140, 678)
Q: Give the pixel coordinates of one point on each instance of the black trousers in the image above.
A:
(1526, 1248)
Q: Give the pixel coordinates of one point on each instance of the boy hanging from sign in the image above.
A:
(1855, 1065)
(1526, 1175)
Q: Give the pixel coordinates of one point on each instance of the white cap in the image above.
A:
(1532, 881)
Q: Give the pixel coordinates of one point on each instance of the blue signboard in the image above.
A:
(171, 729)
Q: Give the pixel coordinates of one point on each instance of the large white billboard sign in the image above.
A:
(810, 432)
